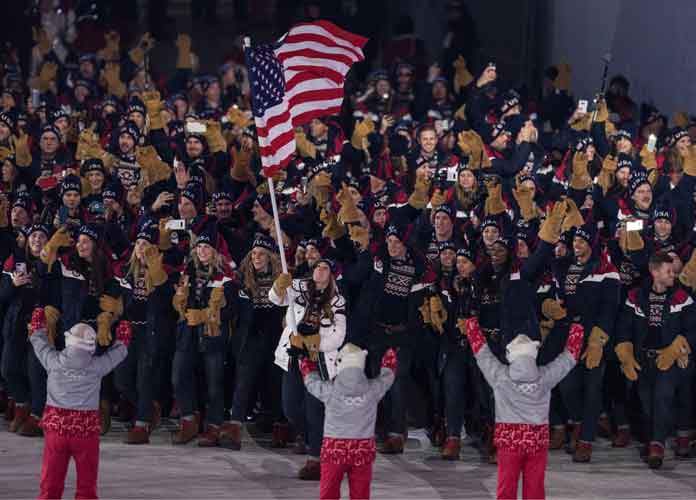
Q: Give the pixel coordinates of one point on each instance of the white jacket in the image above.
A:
(332, 336)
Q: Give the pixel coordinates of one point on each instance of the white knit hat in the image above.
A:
(522, 346)
(351, 356)
(81, 336)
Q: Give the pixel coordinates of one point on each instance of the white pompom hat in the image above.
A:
(351, 356)
(81, 336)
(520, 346)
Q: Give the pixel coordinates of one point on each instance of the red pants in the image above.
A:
(56, 457)
(359, 478)
(533, 469)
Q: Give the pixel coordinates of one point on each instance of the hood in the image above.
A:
(351, 382)
(523, 369)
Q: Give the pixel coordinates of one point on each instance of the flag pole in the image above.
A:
(276, 218)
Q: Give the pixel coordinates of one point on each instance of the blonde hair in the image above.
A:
(217, 263)
(246, 268)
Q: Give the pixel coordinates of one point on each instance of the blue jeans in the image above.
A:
(25, 377)
(304, 412)
(582, 395)
(455, 377)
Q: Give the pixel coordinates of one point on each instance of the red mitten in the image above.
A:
(389, 359)
(575, 338)
(474, 334)
(124, 332)
(38, 320)
(307, 366)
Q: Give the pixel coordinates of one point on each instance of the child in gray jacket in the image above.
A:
(522, 392)
(71, 419)
(350, 402)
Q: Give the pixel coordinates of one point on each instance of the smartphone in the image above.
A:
(176, 225)
(634, 225)
(21, 268)
(35, 98)
(304, 181)
(452, 174)
(196, 128)
(582, 105)
(652, 142)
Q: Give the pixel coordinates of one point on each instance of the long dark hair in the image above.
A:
(97, 273)
(323, 301)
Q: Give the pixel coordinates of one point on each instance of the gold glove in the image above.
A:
(282, 283)
(552, 309)
(680, 119)
(183, 51)
(111, 50)
(60, 239)
(462, 77)
(629, 365)
(595, 348)
(195, 317)
(104, 322)
(583, 124)
(332, 229)
(213, 133)
(438, 314)
(137, 54)
(494, 202)
(153, 104)
(667, 356)
(550, 230)
(573, 216)
(237, 117)
(689, 162)
(156, 169)
(461, 326)
(304, 146)
(419, 197)
(112, 77)
(319, 188)
(633, 241)
(425, 312)
(112, 305)
(360, 235)
(602, 114)
(688, 273)
(47, 74)
(40, 37)
(525, 200)
(155, 269)
(312, 343)
(52, 317)
(580, 178)
(348, 212)
(21, 150)
(164, 242)
(296, 341)
(362, 129)
(180, 300)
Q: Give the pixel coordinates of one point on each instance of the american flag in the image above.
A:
(296, 80)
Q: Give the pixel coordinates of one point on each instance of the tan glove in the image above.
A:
(156, 169)
(595, 348)
(582, 124)
(332, 229)
(461, 326)
(195, 317)
(155, 270)
(425, 312)
(634, 241)
(462, 77)
(111, 50)
(112, 77)
(153, 104)
(215, 304)
(4, 212)
(525, 200)
(437, 199)
(688, 273)
(304, 147)
(419, 197)
(573, 218)
(460, 114)
(112, 305)
(237, 117)
(319, 187)
(52, 317)
(629, 365)
(550, 230)
(104, 322)
(545, 327)
(85, 143)
(282, 283)
(494, 201)
(689, 163)
(562, 81)
(213, 133)
(680, 119)
(438, 314)
(348, 212)
(602, 114)
(40, 37)
(667, 356)
(241, 169)
(180, 300)
(471, 145)
(648, 158)
(137, 54)
(552, 309)
(47, 75)
(360, 235)
(21, 150)
(362, 129)
(164, 242)
(60, 239)
(580, 178)
(183, 51)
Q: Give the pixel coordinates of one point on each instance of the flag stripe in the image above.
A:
(314, 59)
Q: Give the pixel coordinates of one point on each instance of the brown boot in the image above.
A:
(30, 427)
(9, 410)
(21, 413)
(682, 447)
(188, 429)
(622, 438)
(451, 448)
(656, 454)
(394, 444)
(137, 434)
(583, 452)
(281, 435)
(558, 437)
(210, 438)
(230, 436)
(311, 471)
(105, 416)
(574, 438)
(299, 448)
